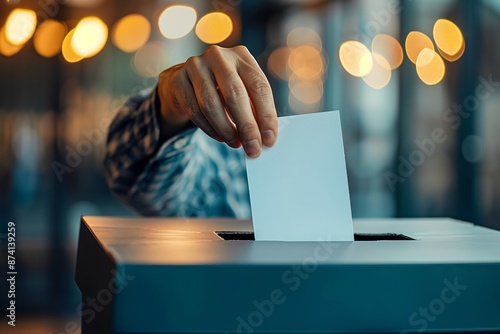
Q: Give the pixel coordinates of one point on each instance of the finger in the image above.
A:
(238, 106)
(261, 97)
(209, 101)
(186, 98)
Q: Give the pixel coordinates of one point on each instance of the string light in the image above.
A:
(49, 37)
(449, 39)
(214, 28)
(131, 32)
(355, 58)
(387, 55)
(389, 48)
(177, 21)
(380, 75)
(20, 26)
(67, 50)
(90, 36)
(6, 48)
(416, 41)
(430, 67)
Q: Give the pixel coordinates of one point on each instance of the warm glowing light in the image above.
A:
(430, 67)
(355, 58)
(448, 38)
(89, 37)
(67, 50)
(150, 60)
(83, 3)
(389, 48)
(455, 57)
(307, 91)
(380, 75)
(214, 28)
(177, 21)
(306, 62)
(415, 43)
(6, 48)
(49, 37)
(131, 32)
(277, 63)
(304, 36)
(20, 26)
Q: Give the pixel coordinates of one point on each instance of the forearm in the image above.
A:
(134, 139)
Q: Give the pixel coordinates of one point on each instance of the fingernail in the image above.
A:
(268, 137)
(252, 148)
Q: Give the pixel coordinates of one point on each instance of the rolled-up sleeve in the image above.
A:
(190, 175)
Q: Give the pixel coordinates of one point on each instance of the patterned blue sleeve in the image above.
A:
(190, 175)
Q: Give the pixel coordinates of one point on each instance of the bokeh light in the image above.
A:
(49, 37)
(304, 36)
(389, 48)
(430, 67)
(380, 75)
(20, 26)
(177, 21)
(90, 36)
(6, 48)
(355, 58)
(131, 32)
(306, 62)
(415, 43)
(455, 57)
(151, 59)
(214, 28)
(306, 91)
(67, 50)
(277, 63)
(447, 36)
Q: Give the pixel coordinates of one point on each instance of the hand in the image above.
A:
(226, 94)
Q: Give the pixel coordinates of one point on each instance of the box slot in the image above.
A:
(249, 235)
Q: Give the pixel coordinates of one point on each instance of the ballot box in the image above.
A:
(143, 275)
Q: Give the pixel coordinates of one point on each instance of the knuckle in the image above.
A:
(192, 64)
(241, 49)
(260, 87)
(269, 120)
(205, 91)
(236, 92)
(191, 61)
(193, 113)
(228, 135)
(248, 130)
(213, 50)
(209, 101)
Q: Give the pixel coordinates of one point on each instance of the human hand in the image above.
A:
(225, 93)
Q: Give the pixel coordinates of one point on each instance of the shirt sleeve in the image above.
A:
(190, 175)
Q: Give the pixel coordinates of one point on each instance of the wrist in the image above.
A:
(171, 120)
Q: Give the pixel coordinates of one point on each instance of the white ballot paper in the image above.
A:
(298, 188)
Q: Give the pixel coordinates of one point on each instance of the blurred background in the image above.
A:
(419, 111)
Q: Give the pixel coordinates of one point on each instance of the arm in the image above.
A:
(160, 158)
